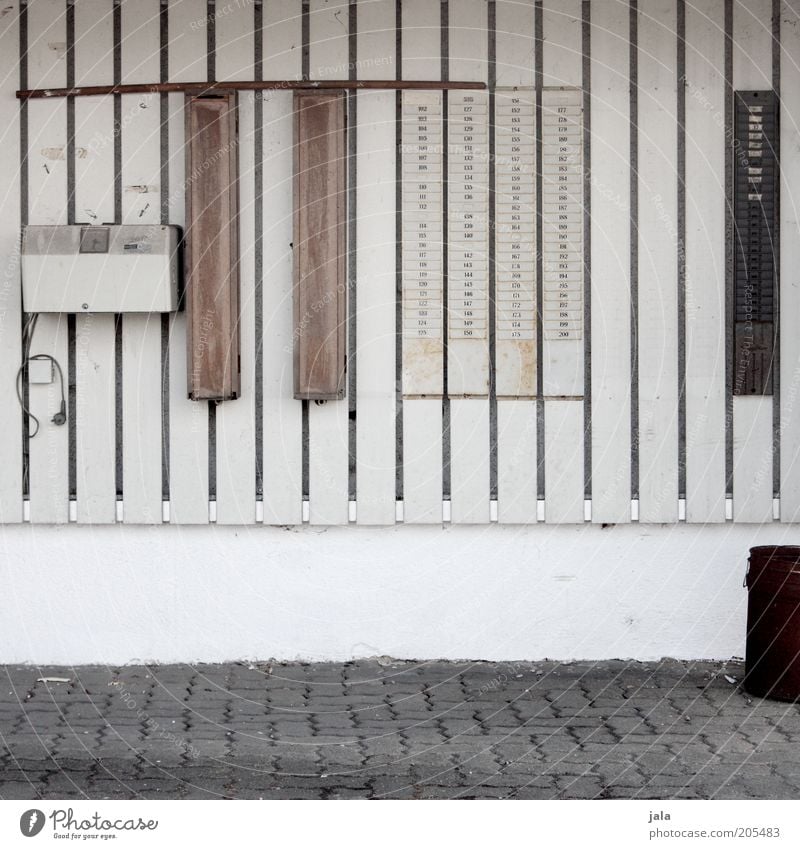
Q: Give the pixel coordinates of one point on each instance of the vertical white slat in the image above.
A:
(236, 435)
(468, 243)
(611, 342)
(328, 422)
(188, 420)
(563, 360)
(375, 272)
(790, 261)
(235, 40)
(469, 417)
(658, 263)
(752, 416)
(47, 204)
(283, 40)
(282, 414)
(95, 368)
(516, 417)
(422, 418)
(514, 60)
(188, 48)
(10, 300)
(705, 261)
(422, 254)
(141, 334)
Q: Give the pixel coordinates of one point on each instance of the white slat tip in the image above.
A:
(399, 511)
(165, 511)
(446, 511)
(120, 511)
(541, 509)
(73, 511)
(493, 511)
(587, 510)
(352, 513)
(259, 512)
(212, 511)
(306, 511)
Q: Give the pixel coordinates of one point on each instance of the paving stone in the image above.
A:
(400, 730)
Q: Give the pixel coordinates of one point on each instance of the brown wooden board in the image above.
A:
(320, 284)
(212, 247)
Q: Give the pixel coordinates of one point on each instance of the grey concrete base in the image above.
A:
(394, 729)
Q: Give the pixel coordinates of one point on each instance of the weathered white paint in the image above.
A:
(124, 593)
(752, 416)
(705, 261)
(328, 422)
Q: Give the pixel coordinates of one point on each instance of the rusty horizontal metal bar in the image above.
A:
(248, 85)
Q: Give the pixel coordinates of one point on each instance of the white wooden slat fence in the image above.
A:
(634, 420)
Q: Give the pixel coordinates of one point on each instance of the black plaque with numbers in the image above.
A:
(755, 226)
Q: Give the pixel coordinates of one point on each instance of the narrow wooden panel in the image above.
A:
(514, 65)
(141, 334)
(188, 54)
(468, 243)
(211, 253)
(421, 244)
(188, 420)
(375, 273)
(563, 360)
(611, 340)
(562, 45)
(236, 436)
(320, 286)
(422, 419)
(562, 243)
(422, 462)
(283, 40)
(467, 369)
(658, 264)
(328, 423)
(515, 243)
(95, 368)
(790, 261)
(752, 417)
(515, 270)
(469, 461)
(47, 204)
(516, 461)
(95, 444)
(705, 262)
(235, 41)
(283, 477)
(752, 471)
(10, 302)
(563, 427)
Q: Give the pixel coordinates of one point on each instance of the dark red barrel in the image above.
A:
(772, 662)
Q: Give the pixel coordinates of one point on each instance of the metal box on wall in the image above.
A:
(92, 268)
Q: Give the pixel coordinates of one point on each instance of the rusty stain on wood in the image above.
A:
(320, 284)
(212, 247)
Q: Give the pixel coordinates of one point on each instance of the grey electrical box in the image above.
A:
(92, 268)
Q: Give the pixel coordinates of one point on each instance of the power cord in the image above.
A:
(60, 417)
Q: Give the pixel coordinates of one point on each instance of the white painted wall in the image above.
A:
(119, 594)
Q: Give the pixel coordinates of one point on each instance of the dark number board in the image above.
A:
(755, 225)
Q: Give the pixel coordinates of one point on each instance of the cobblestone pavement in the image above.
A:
(395, 729)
